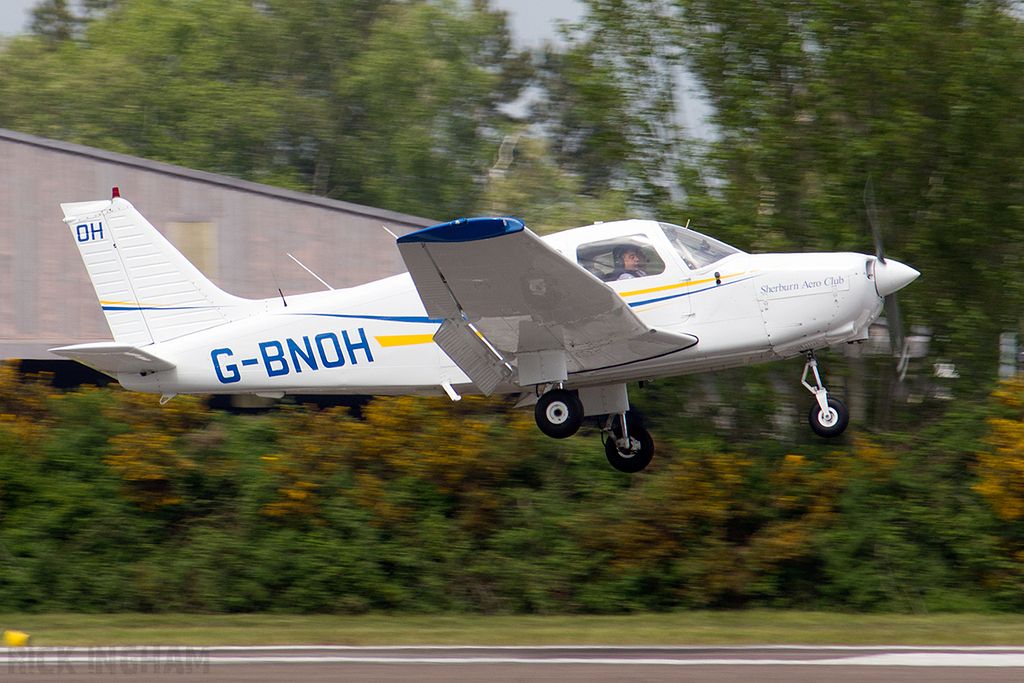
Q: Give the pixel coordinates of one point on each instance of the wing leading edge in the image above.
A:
(510, 300)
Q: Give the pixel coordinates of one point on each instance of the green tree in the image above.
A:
(609, 99)
(175, 82)
(381, 102)
(412, 108)
(527, 182)
(54, 21)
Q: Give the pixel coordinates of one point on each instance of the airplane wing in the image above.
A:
(508, 299)
(112, 357)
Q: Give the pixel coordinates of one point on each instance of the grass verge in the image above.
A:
(684, 628)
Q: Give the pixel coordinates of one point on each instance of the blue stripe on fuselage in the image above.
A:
(634, 304)
(385, 318)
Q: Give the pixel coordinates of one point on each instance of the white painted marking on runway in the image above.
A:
(901, 656)
(966, 659)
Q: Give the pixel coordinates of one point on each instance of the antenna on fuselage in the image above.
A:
(283, 300)
(322, 281)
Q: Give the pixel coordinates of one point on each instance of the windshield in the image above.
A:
(695, 249)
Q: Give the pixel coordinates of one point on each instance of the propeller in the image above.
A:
(890, 276)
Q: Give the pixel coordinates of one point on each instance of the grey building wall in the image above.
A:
(238, 232)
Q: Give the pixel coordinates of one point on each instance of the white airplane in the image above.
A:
(566, 320)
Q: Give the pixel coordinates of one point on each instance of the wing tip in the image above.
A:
(681, 339)
(466, 230)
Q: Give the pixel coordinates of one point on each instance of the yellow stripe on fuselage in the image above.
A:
(663, 288)
(678, 285)
(404, 339)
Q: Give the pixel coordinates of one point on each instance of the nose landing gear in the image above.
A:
(829, 417)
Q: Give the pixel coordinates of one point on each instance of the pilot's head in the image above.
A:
(630, 258)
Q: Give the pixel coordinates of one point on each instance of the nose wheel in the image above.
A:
(829, 417)
(831, 422)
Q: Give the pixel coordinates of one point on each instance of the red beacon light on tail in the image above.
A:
(115, 193)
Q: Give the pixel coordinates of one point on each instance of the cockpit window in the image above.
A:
(696, 250)
(621, 258)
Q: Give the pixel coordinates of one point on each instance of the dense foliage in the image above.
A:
(111, 502)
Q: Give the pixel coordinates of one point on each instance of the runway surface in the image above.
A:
(565, 664)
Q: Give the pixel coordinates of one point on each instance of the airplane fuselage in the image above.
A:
(376, 338)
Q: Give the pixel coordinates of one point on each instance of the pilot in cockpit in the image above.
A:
(630, 262)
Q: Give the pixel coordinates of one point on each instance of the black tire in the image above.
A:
(636, 460)
(559, 413)
(831, 425)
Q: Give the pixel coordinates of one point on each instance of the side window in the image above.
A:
(621, 258)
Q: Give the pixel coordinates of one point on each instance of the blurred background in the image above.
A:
(760, 123)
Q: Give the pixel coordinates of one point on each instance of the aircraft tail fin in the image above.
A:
(148, 290)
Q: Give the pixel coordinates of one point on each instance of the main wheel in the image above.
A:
(831, 423)
(559, 413)
(639, 453)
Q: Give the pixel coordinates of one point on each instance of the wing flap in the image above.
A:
(112, 357)
(471, 354)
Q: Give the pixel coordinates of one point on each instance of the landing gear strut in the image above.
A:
(829, 417)
(627, 444)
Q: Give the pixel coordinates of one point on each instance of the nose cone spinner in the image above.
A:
(892, 276)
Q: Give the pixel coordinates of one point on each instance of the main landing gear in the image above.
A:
(829, 417)
(627, 443)
(559, 413)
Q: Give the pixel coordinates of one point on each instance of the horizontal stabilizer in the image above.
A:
(112, 357)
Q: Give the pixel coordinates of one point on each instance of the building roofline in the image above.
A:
(211, 178)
